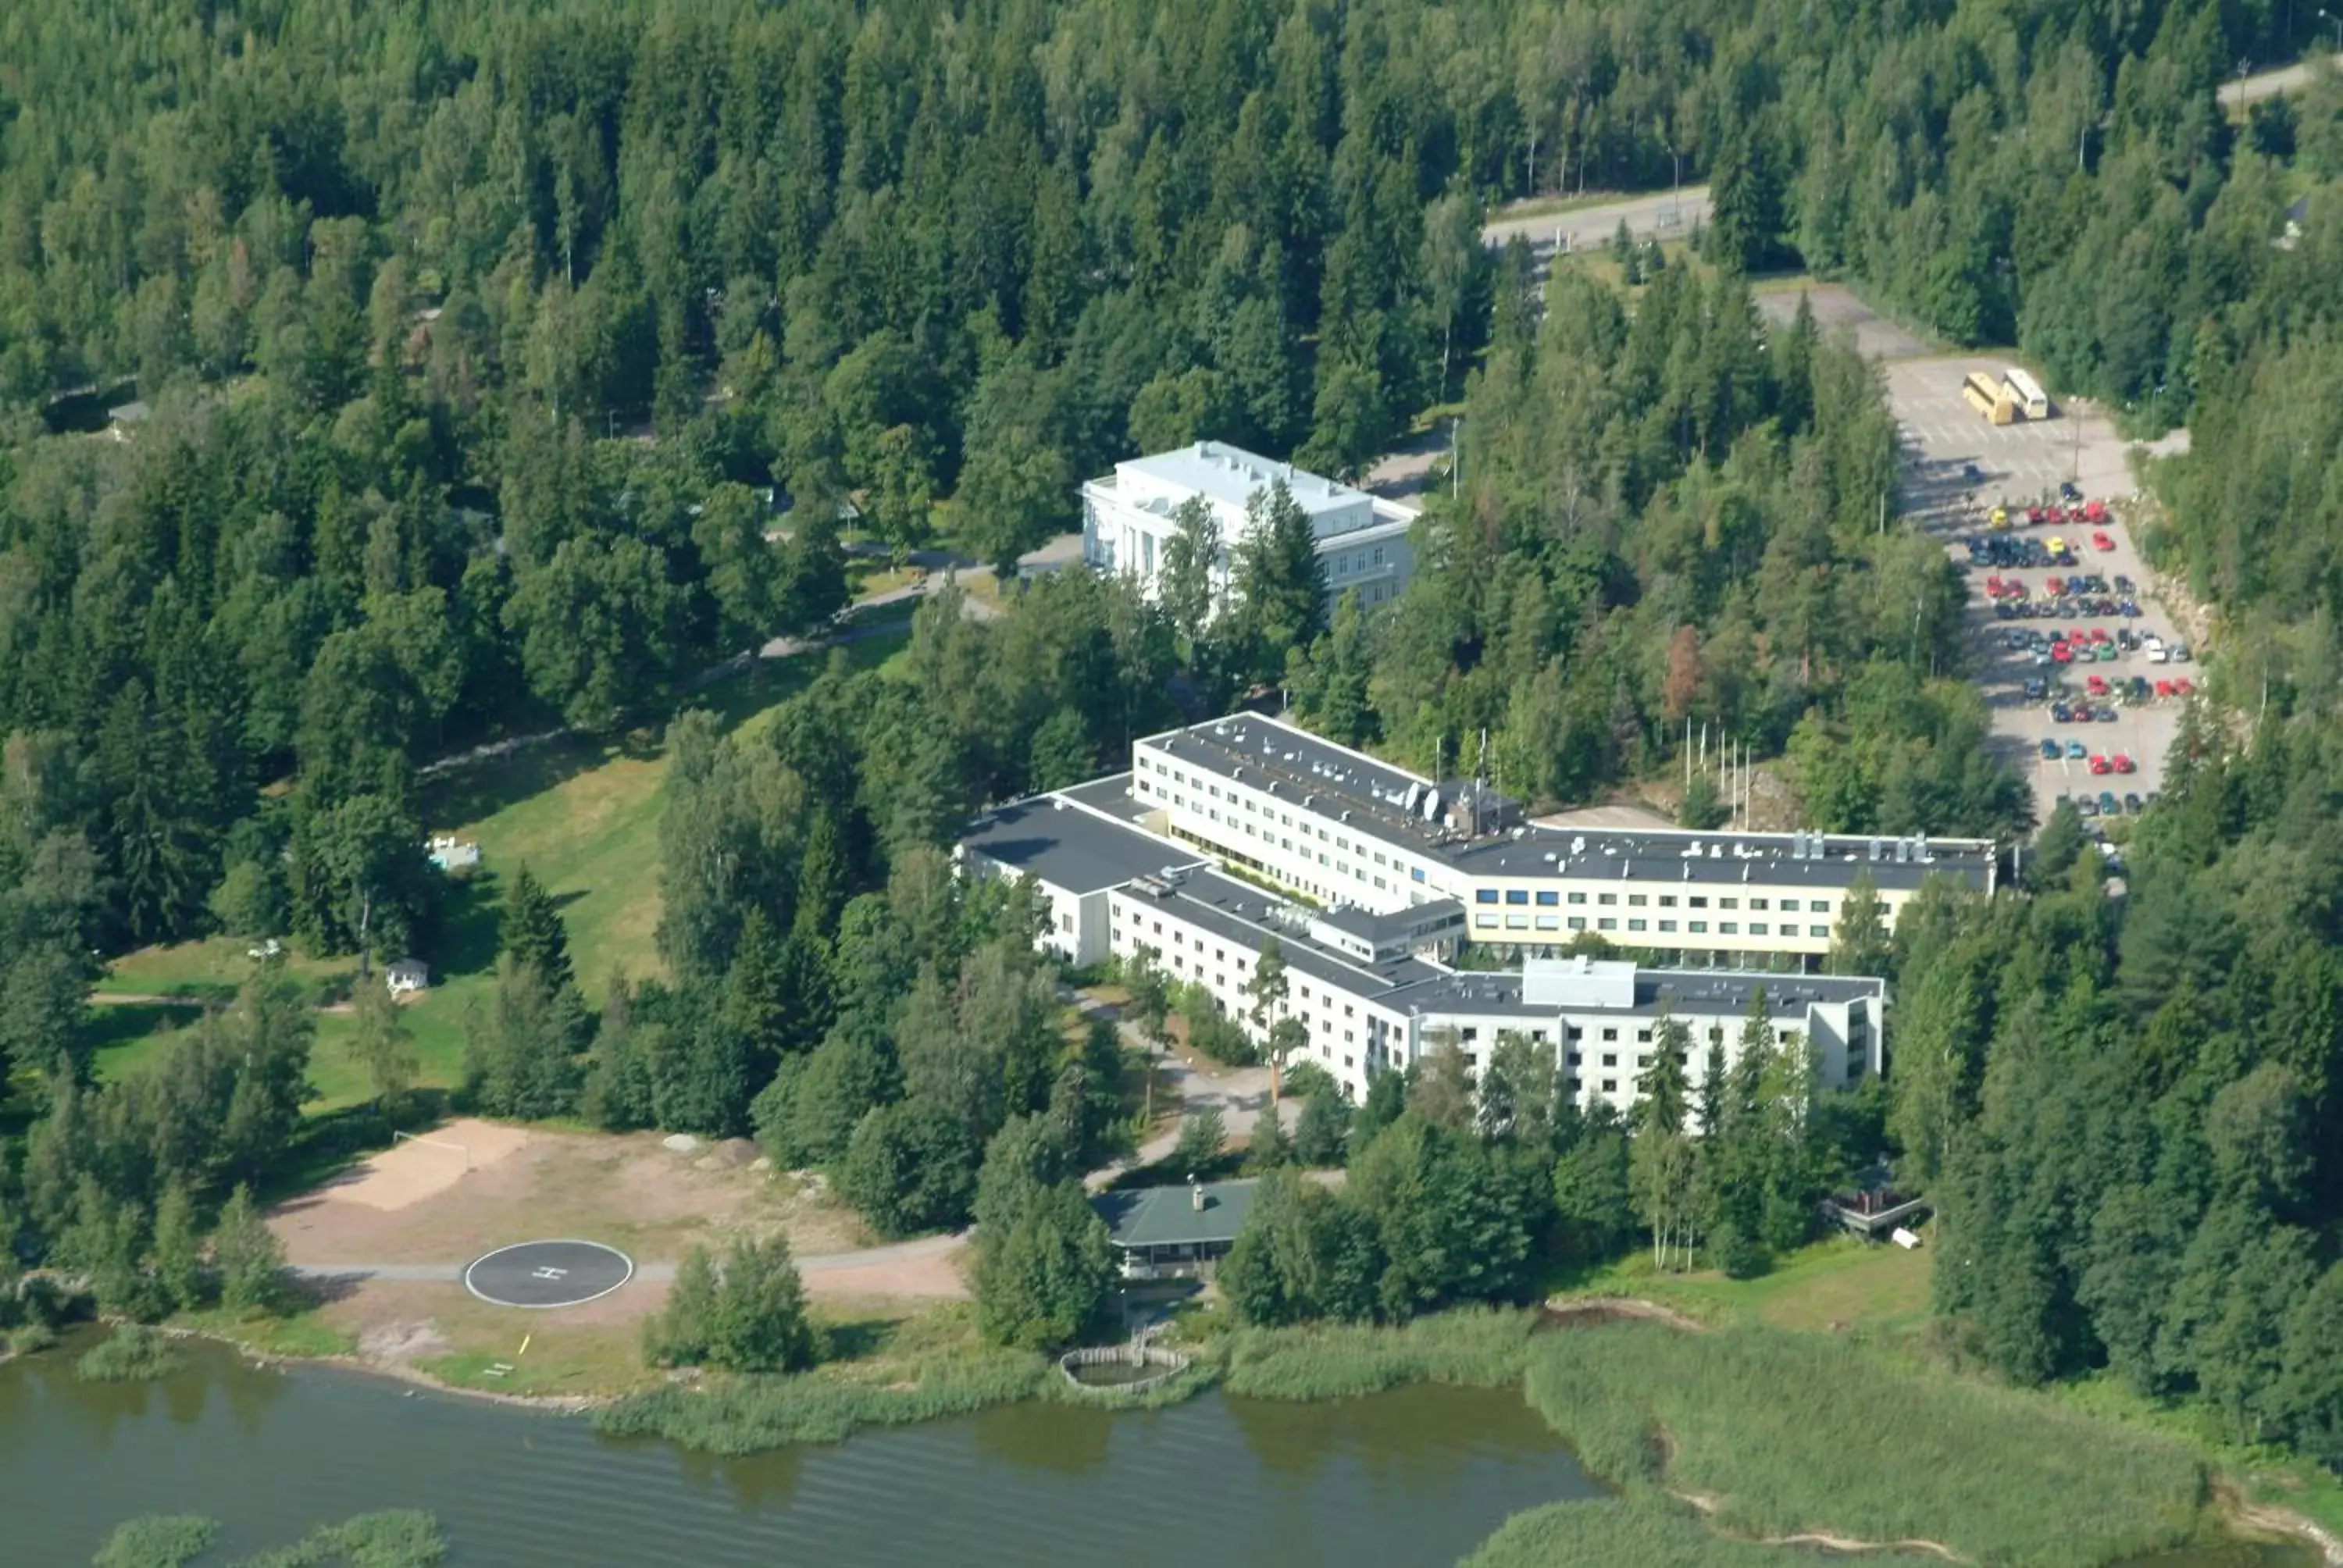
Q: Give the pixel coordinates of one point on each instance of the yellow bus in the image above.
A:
(1989, 396)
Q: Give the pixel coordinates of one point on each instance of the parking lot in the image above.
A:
(1958, 469)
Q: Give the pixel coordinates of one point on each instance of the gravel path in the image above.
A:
(926, 1247)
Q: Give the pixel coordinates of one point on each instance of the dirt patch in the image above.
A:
(934, 1278)
(2283, 1521)
(625, 1190)
(426, 1165)
(397, 1344)
(1589, 1310)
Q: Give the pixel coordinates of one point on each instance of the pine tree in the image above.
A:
(678, 1334)
(531, 930)
(178, 1251)
(383, 1047)
(1269, 1148)
(758, 1322)
(1319, 1136)
(249, 1257)
(1859, 942)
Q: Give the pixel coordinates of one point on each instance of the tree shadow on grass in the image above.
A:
(858, 1339)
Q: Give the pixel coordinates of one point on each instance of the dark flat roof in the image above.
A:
(1068, 847)
(1706, 992)
(1111, 795)
(1168, 1216)
(1275, 752)
(1245, 914)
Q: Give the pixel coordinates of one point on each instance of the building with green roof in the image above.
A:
(1174, 1232)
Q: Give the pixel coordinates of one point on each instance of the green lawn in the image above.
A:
(582, 812)
(1839, 1284)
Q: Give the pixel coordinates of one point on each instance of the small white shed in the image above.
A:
(405, 975)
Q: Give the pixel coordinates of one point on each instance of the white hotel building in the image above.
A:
(1342, 829)
(1367, 997)
(1391, 874)
(1128, 518)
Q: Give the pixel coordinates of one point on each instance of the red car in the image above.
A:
(2078, 634)
(2100, 541)
(2060, 653)
(2123, 764)
(2033, 517)
(2054, 516)
(2096, 685)
(2100, 765)
(2182, 686)
(2095, 512)
(2099, 634)
(2164, 688)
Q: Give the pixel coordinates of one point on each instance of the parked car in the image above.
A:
(2123, 763)
(2033, 689)
(2182, 686)
(2100, 541)
(2131, 804)
(2075, 751)
(2124, 586)
(2179, 653)
(2108, 805)
(2061, 714)
(2085, 807)
(2051, 750)
(2067, 491)
(2101, 765)
(2105, 715)
(2060, 653)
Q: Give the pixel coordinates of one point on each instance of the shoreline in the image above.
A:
(1212, 1364)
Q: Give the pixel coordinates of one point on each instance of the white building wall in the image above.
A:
(1127, 519)
(1354, 1036)
(1269, 830)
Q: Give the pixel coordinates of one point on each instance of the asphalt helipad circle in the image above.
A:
(547, 1273)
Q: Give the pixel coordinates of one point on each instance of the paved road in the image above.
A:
(1239, 1093)
(654, 1273)
(1665, 214)
(2253, 89)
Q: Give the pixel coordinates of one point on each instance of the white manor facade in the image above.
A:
(1129, 518)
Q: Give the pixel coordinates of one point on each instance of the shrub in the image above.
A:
(128, 1356)
(157, 1541)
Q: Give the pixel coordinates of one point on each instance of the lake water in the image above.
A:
(1402, 1479)
(1414, 1477)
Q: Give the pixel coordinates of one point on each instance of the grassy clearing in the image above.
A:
(1833, 1285)
(1789, 1435)
(128, 1354)
(1474, 1347)
(297, 1336)
(582, 812)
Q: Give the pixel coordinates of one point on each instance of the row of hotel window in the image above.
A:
(1609, 923)
(1637, 901)
(1351, 562)
(1341, 867)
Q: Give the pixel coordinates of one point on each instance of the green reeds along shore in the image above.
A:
(1786, 1435)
